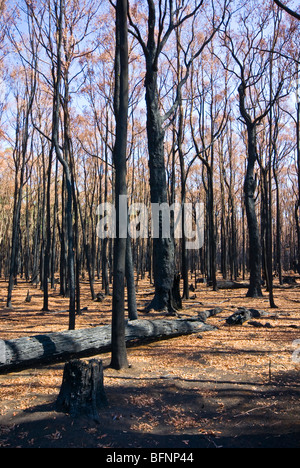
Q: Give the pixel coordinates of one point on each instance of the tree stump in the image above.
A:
(82, 392)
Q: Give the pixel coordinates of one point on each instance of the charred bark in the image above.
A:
(119, 354)
(163, 249)
(255, 251)
(82, 391)
(28, 351)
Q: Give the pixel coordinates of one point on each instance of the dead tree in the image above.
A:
(40, 349)
(24, 108)
(119, 354)
(82, 391)
(162, 21)
(250, 72)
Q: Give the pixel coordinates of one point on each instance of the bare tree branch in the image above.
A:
(287, 9)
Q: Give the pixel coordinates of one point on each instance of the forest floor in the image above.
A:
(234, 387)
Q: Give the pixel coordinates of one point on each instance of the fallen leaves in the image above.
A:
(141, 401)
(55, 436)
(23, 389)
(163, 372)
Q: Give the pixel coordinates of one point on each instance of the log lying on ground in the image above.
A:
(203, 316)
(243, 315)
(231, 285)
(53, 347)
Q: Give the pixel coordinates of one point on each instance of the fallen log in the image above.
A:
(203, 316)
(27, 351)
(243, 315)
(231, 285)
(256, 324)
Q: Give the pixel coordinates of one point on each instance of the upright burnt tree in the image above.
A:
(297, 207)
(61, 28)
(61, 156)
(251, 68)
(208, 121)
(119, 353)
(296, 15)
(24, 105)
(165, 17)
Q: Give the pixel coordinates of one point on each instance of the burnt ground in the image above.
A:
(234, 387)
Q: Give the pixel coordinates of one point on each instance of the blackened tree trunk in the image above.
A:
(161, 25)
(20, 159)
(119, 352)
(233, 223)
(48, 234)
(211, 228)
(297, 208)
(82, 391)
(105, 276)
(86, 249)
(66, 167)
(24, 106)
(163, 248)
(252, 82)
(183, 173)
(267, 182)
(63, 242)
(266, 228)
(278, 224)
(53, 245)
(77, 259)
(255, 251)
(131, 294)
(15, 232)
(255, 248)
(224, 225)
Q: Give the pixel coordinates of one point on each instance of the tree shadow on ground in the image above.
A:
(170, 414)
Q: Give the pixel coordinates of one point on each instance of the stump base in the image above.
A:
(82, 392)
